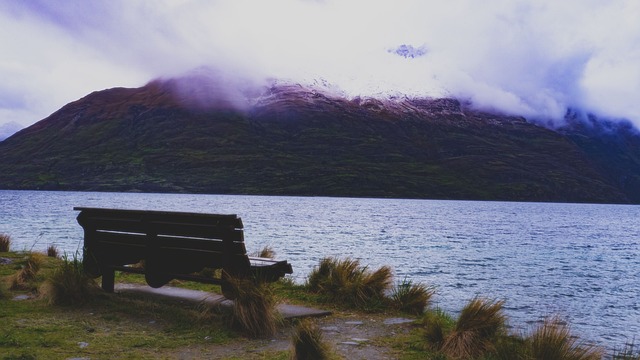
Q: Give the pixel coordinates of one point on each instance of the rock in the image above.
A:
(5, 261)
(359, 340)
(353, 322)
(21, 297)
(352, 343)
(397, 321)
(83, 344)
(330, 328)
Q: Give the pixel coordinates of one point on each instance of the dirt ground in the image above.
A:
(352, 336)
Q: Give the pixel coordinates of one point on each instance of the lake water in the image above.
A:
(579, 261)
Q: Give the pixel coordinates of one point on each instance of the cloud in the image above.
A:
(533, 58)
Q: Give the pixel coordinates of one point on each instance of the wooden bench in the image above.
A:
(170, 245)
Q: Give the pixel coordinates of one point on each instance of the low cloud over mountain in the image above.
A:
(530, 58)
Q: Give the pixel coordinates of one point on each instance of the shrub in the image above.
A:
(308, 344)
(5, 243)
(69, 284)
(477, 327)
(254, 308)
(411, 298)
(345, 281)
(52, 251)
(28, 272)
(553, 341)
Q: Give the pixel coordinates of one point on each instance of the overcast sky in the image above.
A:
(532, 58)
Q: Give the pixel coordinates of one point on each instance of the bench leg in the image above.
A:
(108, 280)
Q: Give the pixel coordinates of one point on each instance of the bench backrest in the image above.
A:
(168, 242)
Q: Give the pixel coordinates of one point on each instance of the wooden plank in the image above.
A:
(116, 254)
(112, 224)
(171, 243)
(201, 244)
(122, 239)
(231, 219)
(206, 231)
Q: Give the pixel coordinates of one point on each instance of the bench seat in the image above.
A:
(170, 245)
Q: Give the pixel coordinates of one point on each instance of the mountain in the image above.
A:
(8, 129)
(288, 139)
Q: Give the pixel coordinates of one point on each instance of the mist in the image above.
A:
(530, 58)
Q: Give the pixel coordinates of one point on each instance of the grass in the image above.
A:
(4, 290)
(266, 252)
(480, 333)
(114, 325)
(68, 284)
(254, 310)
(553, 341)
(139, 326)
(5, 243)
(52, 251)
(307, 343)
(436, 325)
(479, 324)
(629, 352)
(345, 281)
(24, 277)
(412, 298)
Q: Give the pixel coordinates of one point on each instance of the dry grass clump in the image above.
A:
(629, 352)
(69, 284)
(28, 272)
(254, 309)
(5, 243)
(480, 333)
(347, 282)
(411, 297)
(266, 252)
(436, 325)
(52, 251)
(307, 343)
(478, 326)
(553, 341)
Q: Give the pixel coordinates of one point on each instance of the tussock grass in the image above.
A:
(68, 284)
(553, 341)
(629, 352)
(345, 281)
(411, 297)
(511, 347)
(28, 272)
(307, 343)
(254, 311)
(52, 251)
(436, 325)
(139, 265)
(5, 243)
(266, 252)
(476, 329)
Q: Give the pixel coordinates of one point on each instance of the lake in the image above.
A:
(578, 261)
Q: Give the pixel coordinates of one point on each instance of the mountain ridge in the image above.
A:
(290, 139)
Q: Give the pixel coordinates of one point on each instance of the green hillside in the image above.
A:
(297, 141)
